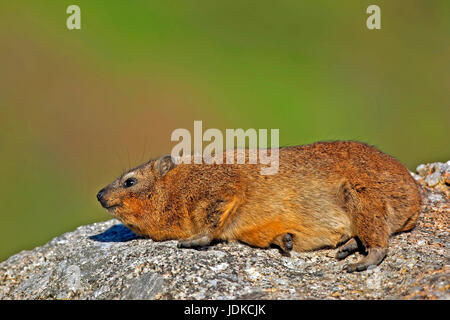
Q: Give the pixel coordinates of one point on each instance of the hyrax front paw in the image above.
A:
(285, 243)
(196, 242)
(288, 244)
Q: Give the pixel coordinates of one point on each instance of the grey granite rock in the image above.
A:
(107, 261)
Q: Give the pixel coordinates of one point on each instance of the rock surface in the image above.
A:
(107, 261)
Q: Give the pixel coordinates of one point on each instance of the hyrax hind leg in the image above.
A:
(369, 221)
(373, 258)
(347, 249)
(372, 230)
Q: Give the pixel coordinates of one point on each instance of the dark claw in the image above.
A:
(342, 255)
(285, 253)
(183, 244)
(188, 245)
(350, 267)
(361, 267)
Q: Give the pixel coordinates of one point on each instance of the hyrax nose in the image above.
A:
(100, 194)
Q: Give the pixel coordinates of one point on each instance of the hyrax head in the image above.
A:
(127, 198)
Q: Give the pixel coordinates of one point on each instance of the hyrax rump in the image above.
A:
(323, 195)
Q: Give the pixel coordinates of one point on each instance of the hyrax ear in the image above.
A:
(165, 164)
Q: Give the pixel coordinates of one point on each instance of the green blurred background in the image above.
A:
(79, 107)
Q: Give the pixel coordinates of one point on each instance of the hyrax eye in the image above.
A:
(129, 182)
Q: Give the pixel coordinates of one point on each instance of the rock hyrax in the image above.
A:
(324, 194)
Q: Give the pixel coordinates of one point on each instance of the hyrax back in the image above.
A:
(324, 194)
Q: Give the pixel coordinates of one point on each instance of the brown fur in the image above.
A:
(324, 194)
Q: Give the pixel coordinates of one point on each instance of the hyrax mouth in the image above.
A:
(114, 212)
(111, 207)
(104, 202)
